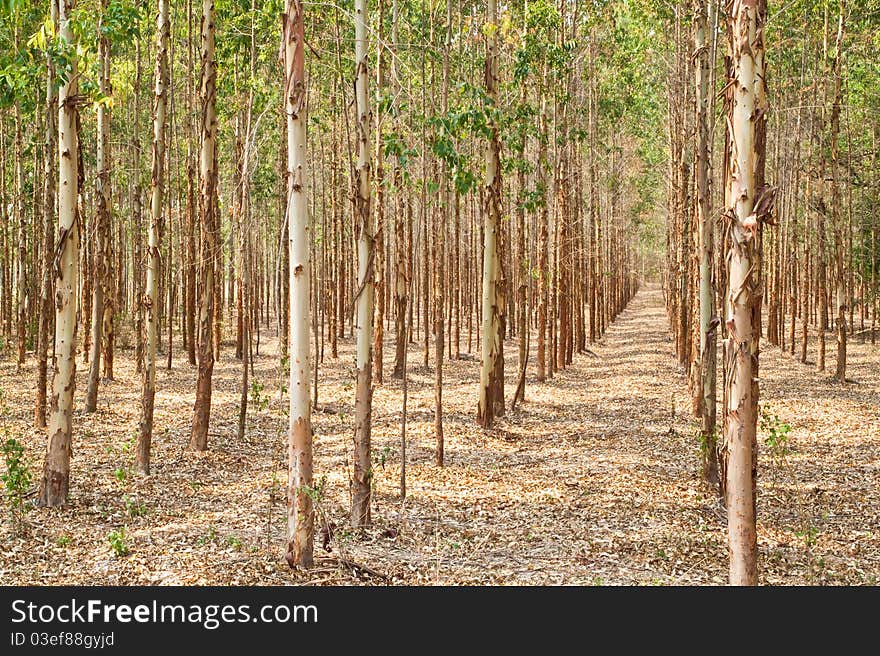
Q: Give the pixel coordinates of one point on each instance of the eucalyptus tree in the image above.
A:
(209, 230)
(102, 290)
(705, 232)
(48, 211)
(836, 197)
(492, 296)
(749, 203)
(379, 205)
(55, 482)
(151, 289)
(300, 511)
(361, 475)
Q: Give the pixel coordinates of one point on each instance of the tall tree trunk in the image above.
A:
(21, 224)
(400, 246)
(190, 262)
(379, 235)
(208, 209)
(706, 234)
(593, 223)
(822, 209)
(749, 205)
(492, 345)
(543, 241)
(362, 470)
(439, 261)
(56, 471)
(102, 286)
(300, 513)
(49, 191)
(836, 199)
(137, 216)
(243, 256)
(151, 290)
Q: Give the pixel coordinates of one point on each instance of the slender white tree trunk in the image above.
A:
(151, 290)
(56, 472)
(300, 513)
(361, 470)
(491, 337)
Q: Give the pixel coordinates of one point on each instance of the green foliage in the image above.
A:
(705, 441)
(118, 543)
(63, 541)
(16, 479)
(808, 534)
(211, 536)
(133, 507)
(259, 400)
(394, 146)
(775, 432)
(380, 456)
(121, 20)
(316, 492)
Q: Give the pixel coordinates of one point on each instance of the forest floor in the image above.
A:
(594, 480)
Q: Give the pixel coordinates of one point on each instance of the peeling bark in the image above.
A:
(208, 165)
(749, 203)
(300, 510)
(56, 471)
(491, 370)
(361, 469)
(150, 299)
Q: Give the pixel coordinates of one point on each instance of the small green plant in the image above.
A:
(210, 537)
(315, 493)
(380, 456)
(808, 534)
(233, 542)
(16, 480)
(705, 441)
(63, 541)
(776, 438)
(259, 400)
(775, 432)
(120, 474)
(118, 543)
(133, 507)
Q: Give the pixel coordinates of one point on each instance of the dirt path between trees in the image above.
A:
(594, 480)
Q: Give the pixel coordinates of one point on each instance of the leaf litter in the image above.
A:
(594, 480)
